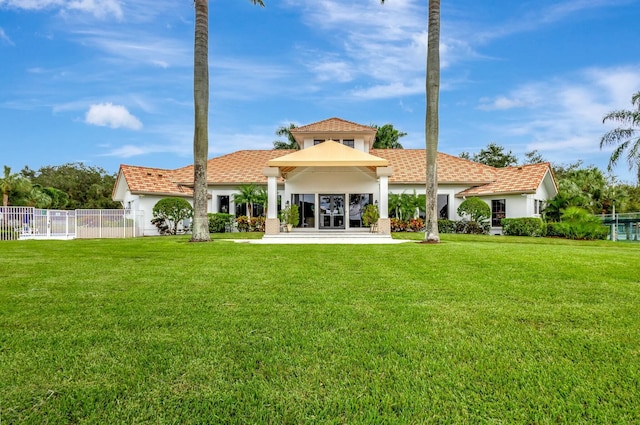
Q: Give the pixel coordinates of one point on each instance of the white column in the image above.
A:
(272, 192)
(383, 206)
(383, 177)
(272, 174)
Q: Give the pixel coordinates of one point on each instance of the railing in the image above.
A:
(35, 223)
(624, 227)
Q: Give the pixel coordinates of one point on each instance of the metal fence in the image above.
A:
(35, 223)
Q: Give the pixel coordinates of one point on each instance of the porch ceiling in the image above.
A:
(328, 154)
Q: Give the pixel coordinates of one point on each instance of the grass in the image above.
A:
(474, 330)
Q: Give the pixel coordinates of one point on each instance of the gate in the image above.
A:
(103, 224)
(35, 223)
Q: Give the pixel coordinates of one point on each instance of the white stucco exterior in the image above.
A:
(333, 169)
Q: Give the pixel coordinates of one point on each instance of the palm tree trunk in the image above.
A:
(201, 135)
(431, 122)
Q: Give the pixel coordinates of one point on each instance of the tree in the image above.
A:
(477, 210)
(285, 131)
(533, 157)
(201, 122)
(12, 183)
(432, 122)
(479, 214)
(171, 212)
(387, 137)
(492, 155)
(249, 194)
(201, 118)
(626, 137)
(74, 185)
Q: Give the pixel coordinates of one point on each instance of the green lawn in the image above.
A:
(473, 330)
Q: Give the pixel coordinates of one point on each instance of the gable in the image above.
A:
(328, 154)
(519, 179)
(334, 128)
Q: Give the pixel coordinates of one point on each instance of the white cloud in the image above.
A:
(114, 116)
(138, 47)
(562, 117)
(98, 8)
(4, 38)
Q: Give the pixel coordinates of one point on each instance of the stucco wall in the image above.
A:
(331, 180)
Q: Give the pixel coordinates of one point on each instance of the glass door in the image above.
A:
(306, 209)
(332, 211)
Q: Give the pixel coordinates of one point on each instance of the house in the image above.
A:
(334, 175)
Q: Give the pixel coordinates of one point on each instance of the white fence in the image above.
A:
(35, 223)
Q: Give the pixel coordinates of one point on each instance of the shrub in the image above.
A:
(472, 227)
(243, 224)
(218, 222)
(476, 209)
(577, 223)
(553, 230)
(525, 226)
(256, 224)
(370, 215)
(398, 225)
(169, 213)
(446, 226)
(290, 215)
(415, 225)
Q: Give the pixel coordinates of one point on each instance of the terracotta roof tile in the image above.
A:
(520, 179)
(152, 180)
(333, 125)
(409, 166)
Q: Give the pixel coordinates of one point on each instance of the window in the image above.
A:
(537, 206)
(306, 209)
(241, 210)
(317, 141)
(498, 211)
(357, 204)
(443, 207)
(349, 142)
(223, 204)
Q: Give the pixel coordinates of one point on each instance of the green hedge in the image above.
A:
(524, 226)
(219, 221)
(581, 230)
(446, 226)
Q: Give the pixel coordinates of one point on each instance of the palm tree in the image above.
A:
(626, 137)
(387, 137)
(12, 183)
(431, 122)
(285, 131)
(248, 194)
(201, 112)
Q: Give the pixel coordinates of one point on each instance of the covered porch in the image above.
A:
(331, 183)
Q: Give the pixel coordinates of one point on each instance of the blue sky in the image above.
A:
(109, 82)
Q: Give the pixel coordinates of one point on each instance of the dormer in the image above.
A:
(353, 135)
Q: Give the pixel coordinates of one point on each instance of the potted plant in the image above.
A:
(371, 215)
(289, 215)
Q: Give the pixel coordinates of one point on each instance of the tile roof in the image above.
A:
(333, 125)
(409, 166)
(520, 179)
(152, 180)
(240, 167)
